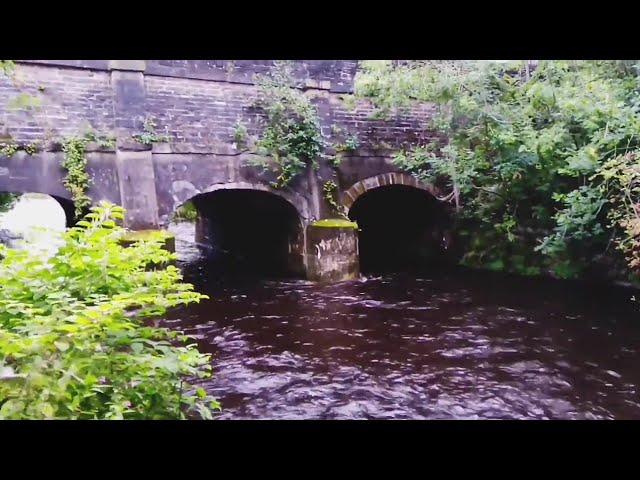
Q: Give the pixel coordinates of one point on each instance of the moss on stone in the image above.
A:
(335, 223)
(131, 237)
(138, 235)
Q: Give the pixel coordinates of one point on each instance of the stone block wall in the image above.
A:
(195, 102)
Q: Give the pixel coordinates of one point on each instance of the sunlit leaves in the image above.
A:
(72, 333)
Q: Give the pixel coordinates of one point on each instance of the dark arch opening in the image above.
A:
(401, 229)
(69, 210)
(250, 232)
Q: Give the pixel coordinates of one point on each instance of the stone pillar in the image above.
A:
(331, 253)
(138, 189)
(134, 161)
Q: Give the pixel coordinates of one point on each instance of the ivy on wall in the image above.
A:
(77, 178)
(292, 137)
(291, 141)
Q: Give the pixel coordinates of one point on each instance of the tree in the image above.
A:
(529, 152)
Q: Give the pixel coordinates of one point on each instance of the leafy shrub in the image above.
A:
(292, 137)
(185, 213)
(528, 152)
(73, 339)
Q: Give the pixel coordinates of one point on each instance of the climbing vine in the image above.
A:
(330, 189)
(77, 178)
(75, 164)
(292, 136)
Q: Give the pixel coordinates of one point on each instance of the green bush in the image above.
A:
(542, 158)
(73, 338)
(185, 213)
(7, 201)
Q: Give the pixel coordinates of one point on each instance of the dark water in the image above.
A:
(448, 345)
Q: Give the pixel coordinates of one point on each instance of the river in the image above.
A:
(449, 344)
(452, 344)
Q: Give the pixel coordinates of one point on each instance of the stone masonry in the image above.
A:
(196, 104)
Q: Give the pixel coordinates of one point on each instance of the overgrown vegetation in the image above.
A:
(8, 150)
(77, 178)
(292, 136)
(149, 135)
(73, 338)
(543, 158)
(351, 144)
(240, 134)
(185, 213)
(7, 201)
(330, 189)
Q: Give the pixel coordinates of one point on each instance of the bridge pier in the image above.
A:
(331, 251)
(138, 189)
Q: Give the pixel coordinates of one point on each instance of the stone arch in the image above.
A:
(268, 234)
(65, 202)
(182, 195)
(395, 178)
(69, 209)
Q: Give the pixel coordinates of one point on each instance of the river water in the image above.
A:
(445, 345)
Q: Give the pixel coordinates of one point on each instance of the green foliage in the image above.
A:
(75, 337)
(8, 149)
(31, 148)
(351, 144)
(7, 67)
(7, 201)
(105, 141)
(240, 134)
(77, 178)
(24, 101)
(329, 190)
(149, 136)
(292, 136)
(527, 152)
(620, 178)
(185, 213)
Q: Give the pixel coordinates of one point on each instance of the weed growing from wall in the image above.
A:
(149, 136)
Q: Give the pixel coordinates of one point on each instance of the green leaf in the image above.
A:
(47, 410)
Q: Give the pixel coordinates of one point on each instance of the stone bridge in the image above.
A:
(196, 105)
